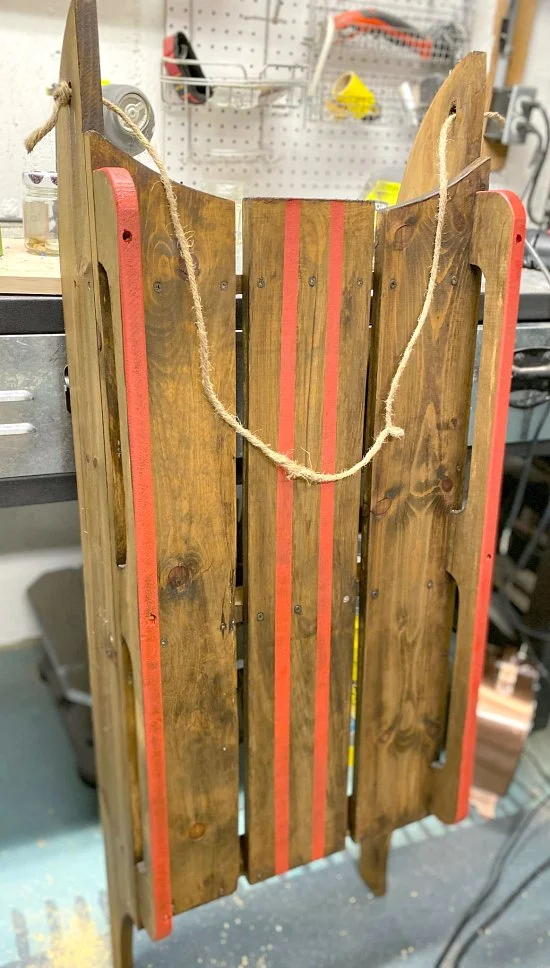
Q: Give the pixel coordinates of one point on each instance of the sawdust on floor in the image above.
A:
(80, 946)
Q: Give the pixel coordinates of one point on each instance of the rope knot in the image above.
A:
(61, 98)
(62, 94)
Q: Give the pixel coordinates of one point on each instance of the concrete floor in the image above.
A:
(52, 879)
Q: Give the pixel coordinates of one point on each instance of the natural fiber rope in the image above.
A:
(61, 98)
(495, 116)
(294, 469)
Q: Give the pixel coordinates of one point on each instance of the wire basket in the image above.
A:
(279, 87)
(401, 56)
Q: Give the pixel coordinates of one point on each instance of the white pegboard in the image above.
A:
(295, 148)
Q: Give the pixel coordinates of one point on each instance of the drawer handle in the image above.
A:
(15, 396)
(543, 369)
(15, 429)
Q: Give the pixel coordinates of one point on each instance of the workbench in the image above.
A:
(37, 463)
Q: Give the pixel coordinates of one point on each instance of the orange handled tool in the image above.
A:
(440, 45)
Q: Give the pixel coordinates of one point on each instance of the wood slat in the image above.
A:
(194, 481)
(497, 248)
(116, 786)
(126, 415)
(408, 597)
(193, 462)
(307, 284)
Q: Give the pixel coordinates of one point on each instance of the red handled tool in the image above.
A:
(440, 45)
(176, 48)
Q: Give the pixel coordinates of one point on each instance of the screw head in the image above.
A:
(164, 643)
(157, 286)
(454, 280)
(359, 282)
(260, 616)
(312, 281)
(393, 284)
(261, 283)
(374, 593)
(224, 285)
(297, 609)
(430, 584)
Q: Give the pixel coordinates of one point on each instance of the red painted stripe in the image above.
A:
(326, 531)
(139, 431)
(492, 503)
(283, 542)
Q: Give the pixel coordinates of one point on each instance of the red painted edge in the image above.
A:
(283, 539)
(494, 483)
(326, 530)
(139, 431)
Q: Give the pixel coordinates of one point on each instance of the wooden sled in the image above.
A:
(166, 584)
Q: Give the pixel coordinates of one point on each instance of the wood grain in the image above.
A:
(133, 527)
(262, 310)
(520, 42)
(317, 823)
(407, 596)
(23, 272)
(194, 482)
(80, 66)
(497, 248)
(464, 93)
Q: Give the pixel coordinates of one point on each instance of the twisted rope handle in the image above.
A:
(294, 469)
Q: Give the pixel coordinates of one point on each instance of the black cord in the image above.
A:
(534, 160)
(531, 546)
(524, 631)
(523, 822)
(501, 909)
(541, 155)
(504, 542)
(529, 406)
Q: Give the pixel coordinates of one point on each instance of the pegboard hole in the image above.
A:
(127, 235)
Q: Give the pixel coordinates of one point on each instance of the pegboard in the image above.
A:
(294, 147)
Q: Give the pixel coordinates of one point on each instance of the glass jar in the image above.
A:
(40, 212)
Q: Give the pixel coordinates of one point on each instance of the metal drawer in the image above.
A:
(35, 426)
(521, 423)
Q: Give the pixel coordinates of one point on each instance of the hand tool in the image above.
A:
(440, 45)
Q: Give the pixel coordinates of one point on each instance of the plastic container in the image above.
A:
(40, 212)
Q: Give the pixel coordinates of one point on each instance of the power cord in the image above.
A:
(506, 533)
(523, 823)
(500, 910)
(537, 161)
(537, 259)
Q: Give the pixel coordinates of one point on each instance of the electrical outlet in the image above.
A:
(515, 105)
